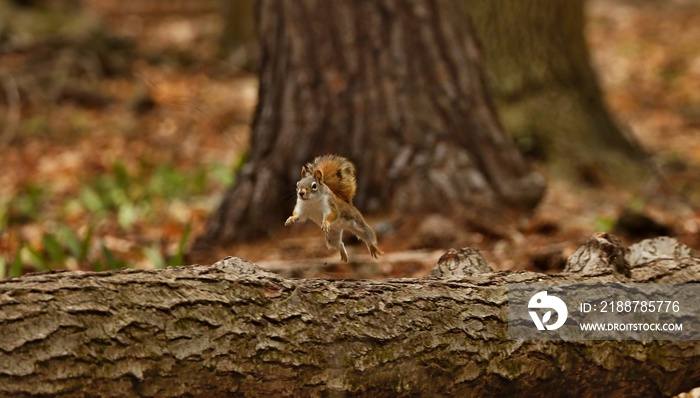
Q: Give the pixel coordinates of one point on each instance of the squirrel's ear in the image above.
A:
(318, 175)
(305, 171)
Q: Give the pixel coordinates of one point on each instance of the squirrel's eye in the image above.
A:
(313, 186)
(298, 183)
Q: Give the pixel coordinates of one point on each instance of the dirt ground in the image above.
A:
(165, 106)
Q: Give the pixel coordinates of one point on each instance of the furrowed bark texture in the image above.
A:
(395, 86)
(231, 329)
(539, 72)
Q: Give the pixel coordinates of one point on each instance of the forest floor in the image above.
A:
(114, 152)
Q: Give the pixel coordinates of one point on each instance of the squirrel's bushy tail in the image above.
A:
(338, 174)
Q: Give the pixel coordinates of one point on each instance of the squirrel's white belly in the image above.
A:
(316, 210)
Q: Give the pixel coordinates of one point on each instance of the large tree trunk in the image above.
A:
(546, 93)
(395, 86)
(232, 329)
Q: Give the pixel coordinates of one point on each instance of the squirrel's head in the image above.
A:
(310, 186)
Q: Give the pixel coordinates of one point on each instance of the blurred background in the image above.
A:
(122, 123)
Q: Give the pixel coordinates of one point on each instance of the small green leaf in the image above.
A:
(179, 257)
(111, 261)
(91, 199)
(603, 224)
(85, 244)
(26, 205)
(4, 214)
(71, 241)
(222, 175)
(54, 250)
(636, 204)
(121, 176)
(16, 267)
(155, 256)
(37, 259)
(128, 214)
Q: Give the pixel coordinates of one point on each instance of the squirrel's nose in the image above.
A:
(302, 192)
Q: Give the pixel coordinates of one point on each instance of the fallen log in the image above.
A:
(233, 329)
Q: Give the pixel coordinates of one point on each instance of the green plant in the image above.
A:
(603, 224)
(77, 246)
(161, 260)
(37, 258)
(16, 266)
(26, 205)
(636, 204)
(221, 174)
(132, 198)
(54, 252)
(109, 260)
(167, 182)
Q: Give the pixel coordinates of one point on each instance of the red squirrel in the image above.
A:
(324, 195)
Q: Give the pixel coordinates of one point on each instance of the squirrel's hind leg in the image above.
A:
(334, 240)
(365, 232)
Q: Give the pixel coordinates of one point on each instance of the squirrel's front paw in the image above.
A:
(291, 220)
(326, 226)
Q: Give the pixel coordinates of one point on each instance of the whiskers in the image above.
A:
(291, 197)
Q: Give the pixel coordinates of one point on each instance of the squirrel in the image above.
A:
(324, 194)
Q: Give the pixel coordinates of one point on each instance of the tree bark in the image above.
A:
(232, 329)
(238, 31)
(547, 95)
(395, 86)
